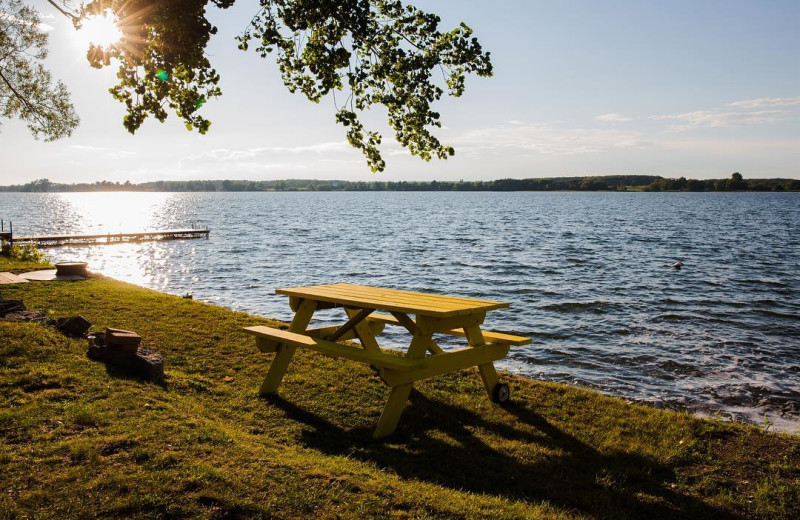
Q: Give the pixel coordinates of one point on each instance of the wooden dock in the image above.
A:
(111, 238)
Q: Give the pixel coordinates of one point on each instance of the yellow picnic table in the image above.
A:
(433, 314)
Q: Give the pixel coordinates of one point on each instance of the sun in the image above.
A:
(100, 30)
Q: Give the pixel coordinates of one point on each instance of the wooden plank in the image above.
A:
(393, 300)
(383, 291)
(411, 298)
(392, 410)
(364, 332)
(36, 238)
(354, 320)
(325, 332)
(494, 337)
(398, 397)
(365, 300)
(111, 238)
(444, 325)
(407, 297)
(335, 349)
(449, 362)
(397, 318)
(280, 336)
(9, 278)
(285, 353)
(488, 373)
(411, 326)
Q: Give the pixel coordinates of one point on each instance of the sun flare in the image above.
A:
(100, 30)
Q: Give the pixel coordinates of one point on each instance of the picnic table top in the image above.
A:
(410, 302)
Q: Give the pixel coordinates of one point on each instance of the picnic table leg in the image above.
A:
(398, 396)
(285, 353)
(393, 410)
(487, 370)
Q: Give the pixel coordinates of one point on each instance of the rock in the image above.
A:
(122, 340)
(144, 363)
(8, 306)
(76, 326)
(26, 316)
(677, 265)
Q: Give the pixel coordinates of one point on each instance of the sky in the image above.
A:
(581, 87)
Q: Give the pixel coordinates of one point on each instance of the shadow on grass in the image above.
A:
(435, 443)
(129, 374)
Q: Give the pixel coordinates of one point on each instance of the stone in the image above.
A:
(9, 306)
(144, 364)
(122, 340)
(75, 326)
(26, 316)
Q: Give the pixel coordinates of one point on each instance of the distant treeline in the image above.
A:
(601, 183)
(735, 183)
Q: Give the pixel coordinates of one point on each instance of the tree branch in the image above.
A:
(72, 15)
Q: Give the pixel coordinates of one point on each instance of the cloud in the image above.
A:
(109, 152)
(225, 154)
(341, 161)
(86, 148)
(717, 119)
(766, 102)
(613, 118)
(268, 158)
(546, 140)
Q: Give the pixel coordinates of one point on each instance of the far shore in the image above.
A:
(602, 183)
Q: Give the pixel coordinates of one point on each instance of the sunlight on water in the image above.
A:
(115, 212)
(146, 264)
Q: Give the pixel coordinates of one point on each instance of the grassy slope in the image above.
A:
(18, 266)
(78, 440)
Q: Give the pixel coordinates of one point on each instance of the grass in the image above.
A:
(21, 266)
(19, 259)
(79, 440)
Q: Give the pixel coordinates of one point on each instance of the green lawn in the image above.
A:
(19, 266)
(78, 440)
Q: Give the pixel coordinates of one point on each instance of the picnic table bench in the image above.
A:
(435, 314)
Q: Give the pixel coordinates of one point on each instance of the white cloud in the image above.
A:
(716, 119)
(341, 161)
(547, 140)
(264, 158)
(108, 152)
(613, 118)
(225, 154)
(766, 102)
(86, 148)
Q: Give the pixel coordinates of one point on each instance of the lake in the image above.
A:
(588, 275)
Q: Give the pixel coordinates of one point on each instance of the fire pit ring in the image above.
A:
(71, 269)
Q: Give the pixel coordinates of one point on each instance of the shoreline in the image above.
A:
(744, 415)
(113, 440)
(749, 416)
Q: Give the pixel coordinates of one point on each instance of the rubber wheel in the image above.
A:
(501, 393)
